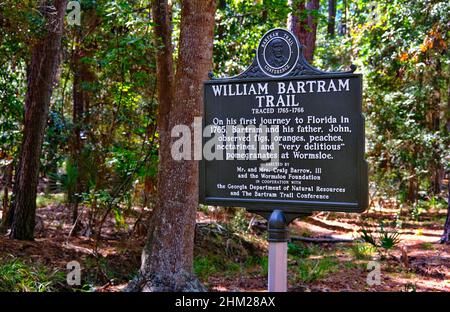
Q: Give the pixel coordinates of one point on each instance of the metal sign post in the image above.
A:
(278, 239)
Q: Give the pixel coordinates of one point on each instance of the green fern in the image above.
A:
(384, 241)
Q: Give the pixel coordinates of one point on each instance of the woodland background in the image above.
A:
(85, 112)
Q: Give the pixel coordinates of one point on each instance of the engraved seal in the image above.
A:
(278, 52)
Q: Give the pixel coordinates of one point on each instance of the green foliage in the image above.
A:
(363, 251)
(239, 223)
(239, 27)
(400, 47)
(206, 266)
(389, 240)
(368, 238)
(384, 241)
(45, 200)
(55, 142)
(301, 251)
(427, 246)
(17, 276)
(416, 211)
(264, 263)
(203, 268)
(310, 270)
(401, 54)
(100, 270)
(310, 262)
(11, 111)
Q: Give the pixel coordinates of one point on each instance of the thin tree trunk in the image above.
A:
(296, 24)
(149, 190)
(446, 236)
(331, 17)
(343, 24)
(448, 106)
(162, 15)
(7, 180)
(82, 74)
(42, 73)
(10, 215)
(434, 125)
(304, 29)
(167, 263)
(312, 5)
(412, 189)
(76, 142)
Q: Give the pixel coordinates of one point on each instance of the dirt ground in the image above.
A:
(417, 263)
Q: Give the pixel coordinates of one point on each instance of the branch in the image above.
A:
(320, 240)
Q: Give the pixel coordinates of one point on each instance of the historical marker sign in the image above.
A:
(284, 135)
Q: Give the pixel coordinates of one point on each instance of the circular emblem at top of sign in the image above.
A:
(278, 52)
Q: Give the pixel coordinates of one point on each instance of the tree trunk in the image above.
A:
(167, 260)
(312, 29)
(304, 28)
(296, 24)
(41, 76)
(75, 145)
(446, 236)
(162, 15)
(7, 180)
(447, 126)
(10, 215)
(331, 17)
(82, 75)
(412, 189)
(434, 126)
(343, 24)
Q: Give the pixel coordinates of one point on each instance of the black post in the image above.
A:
(278, 228)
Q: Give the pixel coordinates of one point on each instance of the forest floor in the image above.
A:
(230, 255)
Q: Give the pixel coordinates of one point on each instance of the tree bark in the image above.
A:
(446, 236)
(343, 24)
(41, 76)
(82, 75)
(447, 126)
(6, 224)
(167, 260)
(75, 145)
(331, 17)
(304, 28)
(7, 180)
(165, 80)
(294, 23)
(434, 126)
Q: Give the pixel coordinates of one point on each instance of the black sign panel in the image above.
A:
(284, 135)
